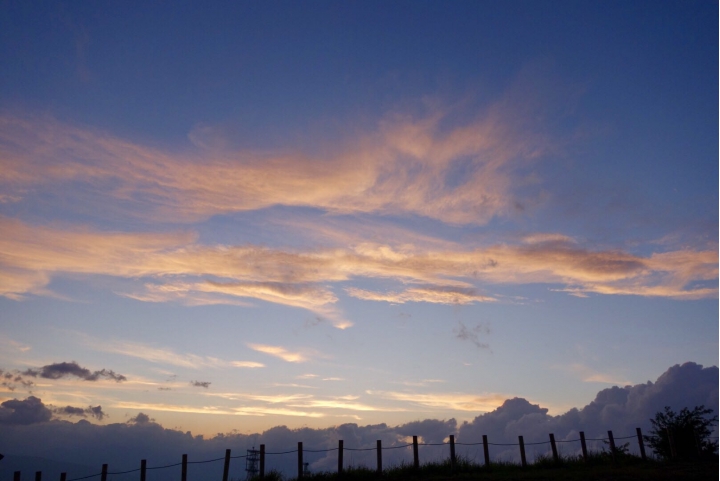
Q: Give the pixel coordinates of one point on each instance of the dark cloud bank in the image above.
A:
(72, 369)
(11, 380)
(29, 428)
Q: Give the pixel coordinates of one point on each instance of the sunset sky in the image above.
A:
(249, 214)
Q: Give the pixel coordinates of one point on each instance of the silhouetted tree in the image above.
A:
(689, 430)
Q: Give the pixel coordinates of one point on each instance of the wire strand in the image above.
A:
(85, 477)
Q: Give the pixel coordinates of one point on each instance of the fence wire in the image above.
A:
(383, 448)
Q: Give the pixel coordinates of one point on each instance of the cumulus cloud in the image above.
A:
(620, 409)
(28, 411)
(141, 418)
(72, 369)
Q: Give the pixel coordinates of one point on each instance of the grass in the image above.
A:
(598, 467)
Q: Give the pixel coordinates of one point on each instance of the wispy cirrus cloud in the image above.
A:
(281, 352)
(459, 175)
(588, 374)
(446, 400)
(300, 278)
(432, 294)
(237, 411)
(166, 356)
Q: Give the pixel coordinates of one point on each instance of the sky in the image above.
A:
(232, 217)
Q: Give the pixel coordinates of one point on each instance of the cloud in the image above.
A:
(163, 355)
(587, 374)
(247, 364)
(446, 400)
(70, 411)
(408, 164)
(463, 333)
(65, 369)
(141, 418)
(182, 270)
(280, 352)
(10, 380)
(28, 411)
(204, 384)
(620, 409)
(432, 294)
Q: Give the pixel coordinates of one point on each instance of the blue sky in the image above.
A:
(309, 214)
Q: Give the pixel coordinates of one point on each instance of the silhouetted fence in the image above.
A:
(142, 470)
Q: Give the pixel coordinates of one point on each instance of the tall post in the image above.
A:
(379, 457)
(38, 475)
(613, 451)
(556, 458)
(340, 457)
(143, 469)
(262, 461)
(486, 451)
(16, 476)
(641, 444)
(416, 458)
(103, 473)
(63, 476)
(523, 460)
(300, 460)
(226, 467)
(184, 468)
(453, 459)
(583, 445)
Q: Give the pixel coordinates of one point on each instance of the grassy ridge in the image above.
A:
(599, 467)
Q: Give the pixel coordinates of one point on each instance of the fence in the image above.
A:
(142, 470)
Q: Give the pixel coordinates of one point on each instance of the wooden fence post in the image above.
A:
(556, 458)
(523, 460)
(379, 457)
(143, 469)
(16, 476)
(183, 474)
(453, 459)
(416, 457)
(262, 461)
(340, 457)
(486, 451)
(300, 460)
(583, 445)
(641, 444)
(103, 473)
(226, 467)
(612, 446)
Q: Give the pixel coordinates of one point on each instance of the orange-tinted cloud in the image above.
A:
(408, 165)
(280, 352)
(183, 270)
(432, 294)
